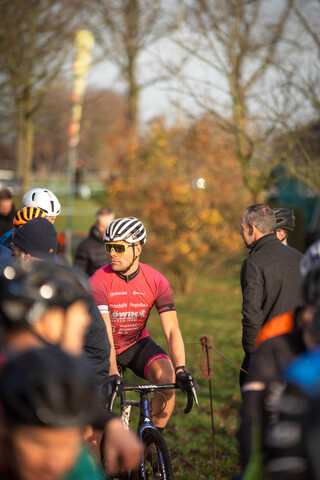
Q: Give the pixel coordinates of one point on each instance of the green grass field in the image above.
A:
(213, 309)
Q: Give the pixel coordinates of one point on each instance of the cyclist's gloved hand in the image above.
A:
(185, 381)
(114, 382)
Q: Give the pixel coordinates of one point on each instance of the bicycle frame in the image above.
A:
(145, 421)
(147, 431)
(143, 404)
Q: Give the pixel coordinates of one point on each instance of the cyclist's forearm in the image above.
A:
(176, 350)
(174, 338)
(113, 363)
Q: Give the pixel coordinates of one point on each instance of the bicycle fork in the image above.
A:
(144, 423)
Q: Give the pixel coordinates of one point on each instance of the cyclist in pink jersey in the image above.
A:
(125, 291)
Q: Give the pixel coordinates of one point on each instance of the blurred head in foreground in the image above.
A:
(47, 397)
(43, 303)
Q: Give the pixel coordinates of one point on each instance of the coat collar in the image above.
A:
(262, 241)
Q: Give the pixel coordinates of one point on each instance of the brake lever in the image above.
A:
(195, 396)
(191, 396)
(114, 394)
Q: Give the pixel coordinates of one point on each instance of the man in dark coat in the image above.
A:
(90, 254)
(270, 276)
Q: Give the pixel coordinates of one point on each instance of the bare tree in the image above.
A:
(126, 28)
(239, 45)
(300, 124)
(36, 38)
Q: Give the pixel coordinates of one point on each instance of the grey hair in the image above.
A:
(262, 217)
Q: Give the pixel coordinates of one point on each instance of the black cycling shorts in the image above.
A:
(140, 356)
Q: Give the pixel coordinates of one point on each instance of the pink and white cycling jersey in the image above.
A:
(128, 304)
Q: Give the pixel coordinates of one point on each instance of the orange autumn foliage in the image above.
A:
(185, 185)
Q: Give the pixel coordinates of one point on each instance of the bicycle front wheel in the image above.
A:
(157, 463)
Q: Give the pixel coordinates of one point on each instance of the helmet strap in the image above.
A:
(134, 259)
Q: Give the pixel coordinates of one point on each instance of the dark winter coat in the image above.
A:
(6, 221)
(96, 346)
(90, 254)
(271, 285)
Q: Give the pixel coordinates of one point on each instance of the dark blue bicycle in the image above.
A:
(155, 461)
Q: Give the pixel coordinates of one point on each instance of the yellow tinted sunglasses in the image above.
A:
(118, 248)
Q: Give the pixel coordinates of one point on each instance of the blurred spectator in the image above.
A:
(270, 277)
(41, 304)
(90, 254)
(70, 328)
(44, 304)
(285, 223)
(47, 398)
(293, 435)
(7, 211)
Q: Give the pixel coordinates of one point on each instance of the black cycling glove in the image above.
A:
(186, 382)
(113, 383)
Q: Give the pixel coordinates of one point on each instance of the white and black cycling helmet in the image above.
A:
(129, 229)
(44, 199)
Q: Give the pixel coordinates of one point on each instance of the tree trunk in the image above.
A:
(20, 144)
(133, 100)
(29, 136)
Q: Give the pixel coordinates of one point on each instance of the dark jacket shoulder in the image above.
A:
(271, 244)
(90, 254)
